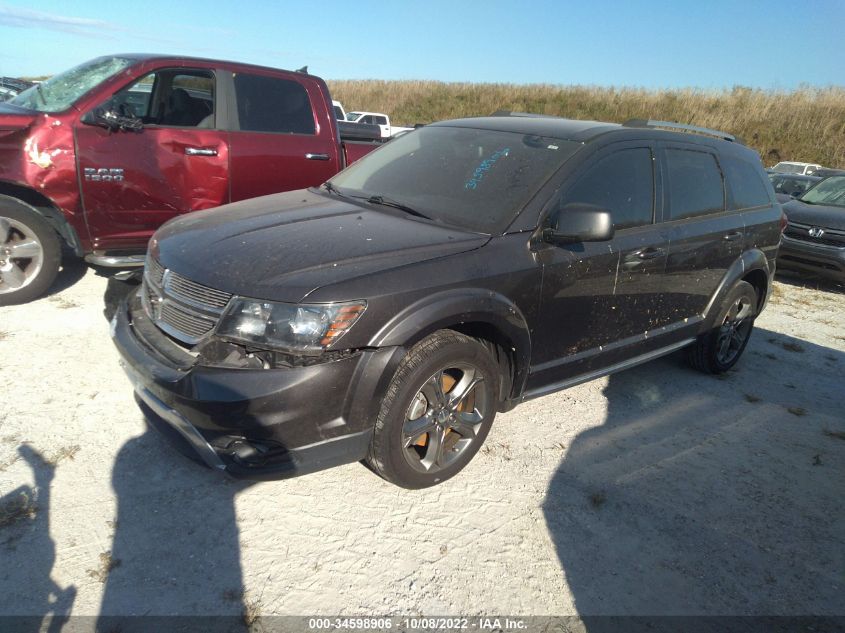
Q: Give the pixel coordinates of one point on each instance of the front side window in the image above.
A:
(61, 91)
(177, 98)
(470, 178)
(695, 184)
(622, 183)
(270, 104)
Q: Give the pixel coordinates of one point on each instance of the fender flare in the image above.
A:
(748, 262)
(39, 204)
(457, 307)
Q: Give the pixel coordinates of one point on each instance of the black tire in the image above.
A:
(439, 358)
(18, 223)
(718, 350)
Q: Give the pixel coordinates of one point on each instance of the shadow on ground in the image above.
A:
(40, 604)
(176, 548)
(73, 269)
(709, 495)
(805, 280)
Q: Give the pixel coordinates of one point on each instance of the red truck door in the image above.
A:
(133, 181)
(281, 138)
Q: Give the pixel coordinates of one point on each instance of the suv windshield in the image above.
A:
(475, 179)
(830, 191)
(61, 91)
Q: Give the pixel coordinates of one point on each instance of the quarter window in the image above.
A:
(622, 183)
(269, 104)
(748, 188)
(695, 184)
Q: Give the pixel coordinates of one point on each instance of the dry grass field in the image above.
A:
(807, 124)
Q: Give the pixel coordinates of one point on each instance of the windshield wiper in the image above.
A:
(388, 202)
(40, 92)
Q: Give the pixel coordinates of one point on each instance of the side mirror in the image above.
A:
(113, 120)
(580, 223)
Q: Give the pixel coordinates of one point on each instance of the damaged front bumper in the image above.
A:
(253, 423)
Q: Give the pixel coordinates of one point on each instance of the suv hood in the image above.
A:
(815, 214)
(284, 246)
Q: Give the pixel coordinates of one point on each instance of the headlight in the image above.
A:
(304, 328)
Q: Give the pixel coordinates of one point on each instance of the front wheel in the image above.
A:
(30, 254)
(719, 349)
(437, 412)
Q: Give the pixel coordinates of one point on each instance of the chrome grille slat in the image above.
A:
(185, 309)
(180, 287)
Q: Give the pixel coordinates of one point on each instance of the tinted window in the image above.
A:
(268, 104)
(476, 179)
(622, 183)
(748, 188)
(695, 184)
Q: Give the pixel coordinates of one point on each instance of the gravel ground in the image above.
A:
(655, 491)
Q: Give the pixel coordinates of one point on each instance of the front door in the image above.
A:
(134, 181)
(600, 296)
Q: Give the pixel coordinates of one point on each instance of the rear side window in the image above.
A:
(748, 188)
(695, 184)
(622, 183)
(269, 104)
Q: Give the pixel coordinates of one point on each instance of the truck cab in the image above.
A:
(377, 118)
(100, 156)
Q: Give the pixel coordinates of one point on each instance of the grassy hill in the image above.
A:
(805, 125)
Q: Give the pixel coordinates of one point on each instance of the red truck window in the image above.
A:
(268, 104)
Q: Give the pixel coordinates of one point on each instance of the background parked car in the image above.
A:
(814, 240)
(10, 87)
(377, 118)
(789, 186)
(791, 167)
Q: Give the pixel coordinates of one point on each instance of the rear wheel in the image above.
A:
(719, 349)
(437, 412)
(30, 254)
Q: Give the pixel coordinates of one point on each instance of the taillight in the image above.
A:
(783, 221)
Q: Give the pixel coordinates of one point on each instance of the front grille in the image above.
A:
(186, 310)
(830, 237)
(185, 321)
(182, 288)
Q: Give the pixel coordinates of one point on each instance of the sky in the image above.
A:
(709, 44)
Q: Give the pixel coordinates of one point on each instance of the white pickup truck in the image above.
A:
(377, 118)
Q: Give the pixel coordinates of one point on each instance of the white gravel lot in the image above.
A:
(655, 491)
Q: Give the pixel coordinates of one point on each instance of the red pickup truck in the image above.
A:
(100, 156)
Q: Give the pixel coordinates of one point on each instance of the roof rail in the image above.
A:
(527, 115)
(669, 125)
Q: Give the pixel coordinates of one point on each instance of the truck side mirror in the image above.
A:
(577, 222)
(113, 120)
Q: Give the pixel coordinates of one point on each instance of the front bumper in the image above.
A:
(253, 423)
(820, 259)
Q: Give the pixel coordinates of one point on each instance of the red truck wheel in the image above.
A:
(30, 254)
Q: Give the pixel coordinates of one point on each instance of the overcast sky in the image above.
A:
(704, 43)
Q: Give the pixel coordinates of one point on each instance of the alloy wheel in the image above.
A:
(21, 255)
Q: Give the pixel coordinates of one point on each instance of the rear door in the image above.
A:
(133, 182)
(281, 138)
(705, 236)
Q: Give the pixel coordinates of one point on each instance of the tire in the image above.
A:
(718, 350)
(30, 254)
(425, 435)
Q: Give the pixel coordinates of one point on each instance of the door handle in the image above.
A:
(310, 156)
(733, 235)
(634, 259)
(200, 151)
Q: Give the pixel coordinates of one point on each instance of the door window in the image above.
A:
(622, 183)
(177, 98)
(270, 104)
(695, 184)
